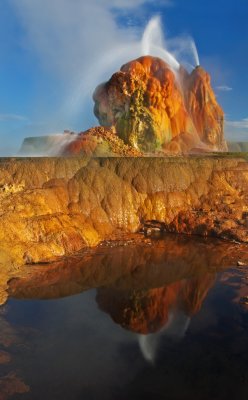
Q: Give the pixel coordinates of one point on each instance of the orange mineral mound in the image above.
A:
(144, 102)
(206, 113)
(146, 108)
(100, 141)
(154, 109)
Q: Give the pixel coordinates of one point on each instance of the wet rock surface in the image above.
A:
(58, 206)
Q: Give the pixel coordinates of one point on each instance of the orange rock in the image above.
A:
(50, 207)
(207, 115)
(99, 141)
(150, 108)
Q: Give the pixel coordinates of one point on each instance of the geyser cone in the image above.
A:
(206, 113)
(152, 110)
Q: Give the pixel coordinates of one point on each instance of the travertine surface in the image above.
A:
(55, 206)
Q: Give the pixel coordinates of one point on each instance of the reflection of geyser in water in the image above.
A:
(175, 52)
(175, 329)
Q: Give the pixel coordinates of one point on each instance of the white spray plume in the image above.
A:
(195, 53)
(152, 43)
(78, 45)
(46, 145)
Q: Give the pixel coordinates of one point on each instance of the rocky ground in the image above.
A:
(52, 207)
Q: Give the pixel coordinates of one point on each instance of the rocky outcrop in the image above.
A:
(206, 113)
(50, 207)
(154, 110)
(99, 142)
(145, 108)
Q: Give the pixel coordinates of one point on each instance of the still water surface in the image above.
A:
(139, 322)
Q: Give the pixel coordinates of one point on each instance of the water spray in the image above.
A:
(153, 44)
(195, 53)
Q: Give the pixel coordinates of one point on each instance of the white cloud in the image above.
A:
(224, 88)
(122, 4)
(79, 43)
(12, 117)
(76, 40)
(134, 3)
(241, 124)
(69, 36)
(237, 130)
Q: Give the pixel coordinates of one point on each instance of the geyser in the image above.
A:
(195, 53)
(175, 52)
(153, 104)
(155, 109)
(154, 44)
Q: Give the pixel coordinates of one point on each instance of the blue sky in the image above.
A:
(55, 52)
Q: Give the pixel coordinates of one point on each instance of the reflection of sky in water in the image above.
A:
(72, 348)
(77, 345)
